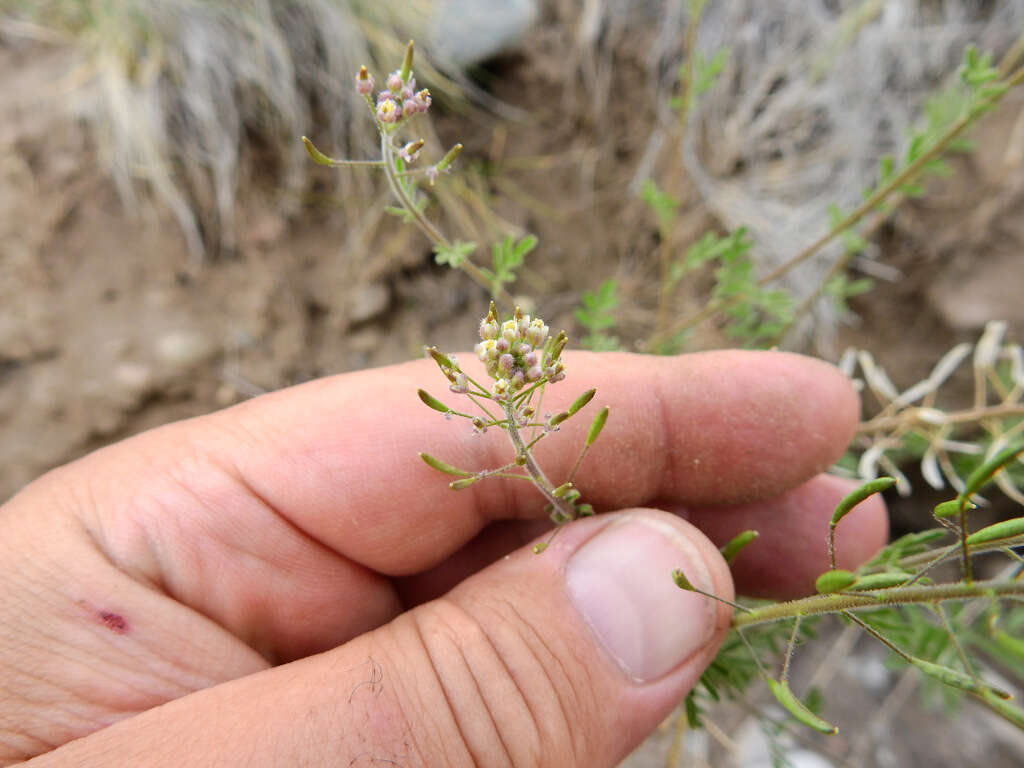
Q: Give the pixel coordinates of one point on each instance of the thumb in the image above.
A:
(567, 658)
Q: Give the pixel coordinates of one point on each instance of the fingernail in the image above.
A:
(621, 583)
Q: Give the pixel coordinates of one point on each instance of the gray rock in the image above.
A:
(467, 32)
(367, 302)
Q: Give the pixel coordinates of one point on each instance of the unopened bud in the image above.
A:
(364, 82)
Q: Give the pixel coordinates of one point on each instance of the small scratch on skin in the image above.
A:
(115, 622)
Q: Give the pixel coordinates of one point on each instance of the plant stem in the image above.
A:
(854, 217)
(433, 234)
(539, 478)
(836, 603)
(911, 417)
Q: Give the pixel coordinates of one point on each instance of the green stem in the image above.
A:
(433, 234)
(836, 603)
(539, 478)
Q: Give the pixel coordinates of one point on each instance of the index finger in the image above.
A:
(338, 457)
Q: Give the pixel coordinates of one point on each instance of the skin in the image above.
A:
(283, 582)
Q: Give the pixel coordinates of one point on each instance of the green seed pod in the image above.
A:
(441, 360)
(858, 495)
(957, 679)
(572, 495)
(834, 581)
(558, 418)
(318, 157)
(880, 581)
(596, 426)
(681, 581)
(441, 466)
(737, 543)
(984, 473)
(582, 400)
(796, 708)
(520, 460)
(1007, 710)
(446, 161)
(561, 490)
(458, 485)
(950, 508)
(1004, 530)
(407, 64)
(585, 510)
(432, 402)
(539, 547)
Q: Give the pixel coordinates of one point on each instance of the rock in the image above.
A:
(367, 302)
(468, 32)
(132, 379)
(183, 348)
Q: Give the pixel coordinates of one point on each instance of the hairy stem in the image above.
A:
(539, 478)
(426, 226)
(845, 601)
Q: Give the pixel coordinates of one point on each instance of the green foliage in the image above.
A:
(507, 256)
(455, 254)
(665, 206)
(706, 71)
(756, 314)
(596, 315)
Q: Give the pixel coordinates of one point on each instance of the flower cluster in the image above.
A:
(518, 352)
(398, 100)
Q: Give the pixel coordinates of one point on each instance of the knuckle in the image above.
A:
(508, 695)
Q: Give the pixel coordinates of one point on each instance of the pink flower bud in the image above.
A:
(394, 82)
(460, 385)
(410, 107)
(534, 373)
(423, 97)
(506, 362)
(364, 82)
(523, 348)
(407, 93)
(384, 96)
(517, 380)
(531, 359)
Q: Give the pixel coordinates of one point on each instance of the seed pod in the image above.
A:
(957, 679)
(736, 544)
(858, 495)
(796, 708)
(441, 466)
(835, 580)
(558, 418)
(1004, 530)
(984, 473)
(596, 426)
(442, 360)
(458, 485)
(950, 508)
(432, 402)
(681, 581)
(561, 490)
(880, 581)
(582, 400)
(585, 510)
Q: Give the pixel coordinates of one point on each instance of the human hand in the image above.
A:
(284, 583)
